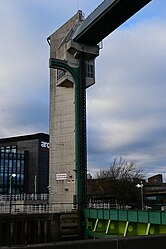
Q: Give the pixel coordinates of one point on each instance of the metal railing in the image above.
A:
(107, 205)
(25, 197)
(37, 209)
(39, 203)
(103, 205)
(32, 203)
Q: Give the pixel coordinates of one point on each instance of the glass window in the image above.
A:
(22, 156)
(14, 179)
(14, 165)
(1, 178)
(13, 149)
(10, 156)
(89, 70)
(22, 163)
(6, 163)
(7, 149)
(60, 74)
(22, 166)
(10, 165)
(18, 177)
(6, 179)
(2, 154)
(18, 165)
(1, 169)
(2, 163)
(2, 149)
(22, 179)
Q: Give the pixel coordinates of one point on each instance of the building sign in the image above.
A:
(61, 176)
(44, 144)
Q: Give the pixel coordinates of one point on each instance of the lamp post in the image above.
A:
(35, 186)
(10, 189)
(142, 196)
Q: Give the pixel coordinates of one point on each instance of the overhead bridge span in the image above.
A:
(106, 18)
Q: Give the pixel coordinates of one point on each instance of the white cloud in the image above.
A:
(127, 108)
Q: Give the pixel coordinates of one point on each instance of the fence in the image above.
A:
(32, 203)
(39, 203)
(25, 197)
(33, 209)
(107, 205)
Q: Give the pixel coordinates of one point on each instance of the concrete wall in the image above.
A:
(146, 242)
(22, 229)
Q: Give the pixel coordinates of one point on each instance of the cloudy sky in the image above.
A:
(127, 105)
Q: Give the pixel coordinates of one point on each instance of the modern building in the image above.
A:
(155, 192)
(24, 164)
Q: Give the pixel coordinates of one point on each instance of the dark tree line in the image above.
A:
(121, 170)
(118, 183)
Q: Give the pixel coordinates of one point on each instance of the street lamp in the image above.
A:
(142, 196)
(10, 189)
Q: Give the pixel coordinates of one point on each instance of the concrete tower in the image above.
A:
(63, 177)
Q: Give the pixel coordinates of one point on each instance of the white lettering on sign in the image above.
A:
(61, 176)
(44, 145)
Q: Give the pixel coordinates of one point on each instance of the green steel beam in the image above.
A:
(110, 223)
(155, 217)
(63, 65)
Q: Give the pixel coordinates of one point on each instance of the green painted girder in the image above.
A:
(107, 17)
(103, 223)
(121, 228)
(155, 217)
(64, 65)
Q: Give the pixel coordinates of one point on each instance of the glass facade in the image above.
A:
(12, 162)
(89, 69)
